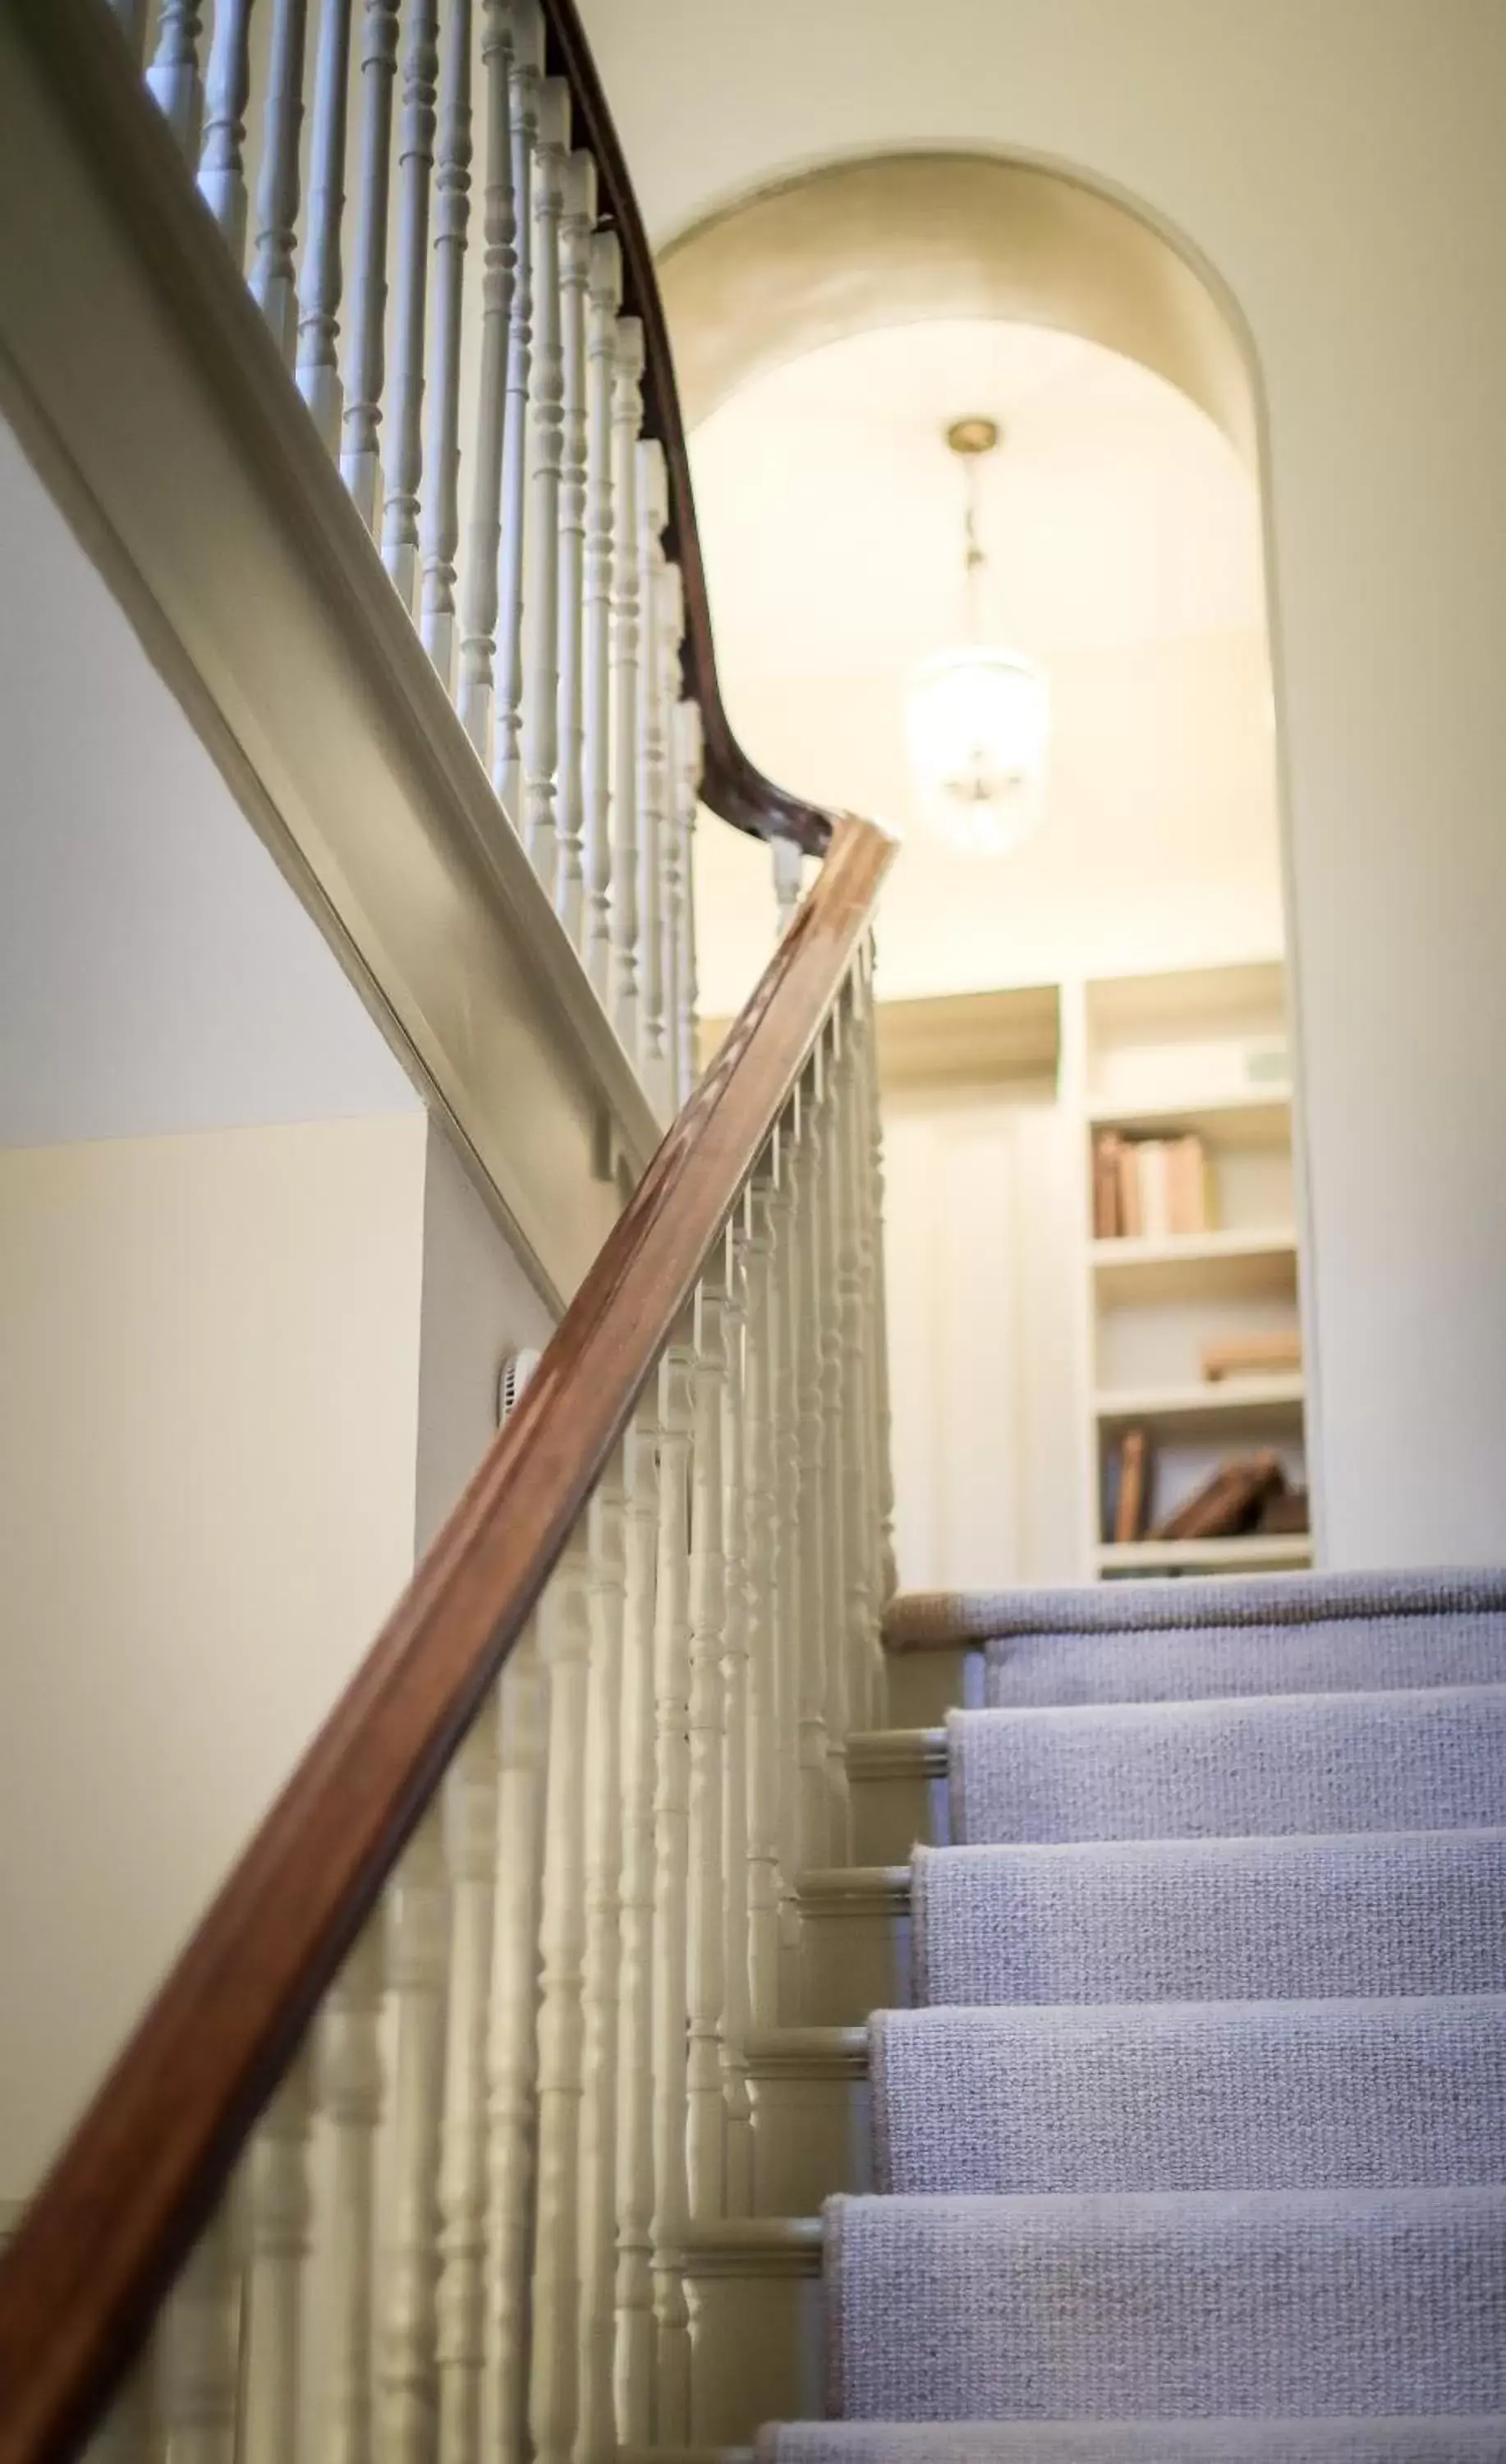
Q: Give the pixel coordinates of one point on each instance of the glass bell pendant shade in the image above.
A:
(976, 724)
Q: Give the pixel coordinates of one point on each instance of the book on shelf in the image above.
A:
(1150, 1189)
(1132, 1495)
(1229, 1502)
(1267, 1353)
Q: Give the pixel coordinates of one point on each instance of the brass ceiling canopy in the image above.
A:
(976, 435)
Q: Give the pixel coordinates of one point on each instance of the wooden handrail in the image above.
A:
(731, 785)
(107, 2231)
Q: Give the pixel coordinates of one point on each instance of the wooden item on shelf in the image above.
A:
(1134, 1485)
(1285, 1511)
(1106, 1212)
(1229, 1502)
(1265, 1355)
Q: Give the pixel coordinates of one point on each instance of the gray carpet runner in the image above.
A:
(1195, 2145)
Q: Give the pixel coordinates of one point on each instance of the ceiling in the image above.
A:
(1124, 554)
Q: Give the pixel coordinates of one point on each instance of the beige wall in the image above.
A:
(210, 1363)
(1341, 167)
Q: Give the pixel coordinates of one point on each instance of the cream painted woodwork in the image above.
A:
(260, 595)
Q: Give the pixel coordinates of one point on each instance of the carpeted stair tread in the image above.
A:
(1202, 2095)
(1182, 1664)
(917, 1620)
(1370, 1913)
(1416, 2440)
(1410, 1759)
(1173, 2305)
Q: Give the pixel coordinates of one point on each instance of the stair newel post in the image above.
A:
(564, 1636)
(633, 2348)
(222, 159)
(671, 1848)
(470, 1819)
(653, 511)
(359, 460)
(400, 513)
(320, 276)
(689, 755)
(817, 1805)
(879, 1345)
(439, 515)
(197, 2349)
(789, 869)
(707, 1903)
(351, 2087)
(859, 1518)
(540, 736)
(272, 276)
(510, 2044)
(627, 415)
(738, 2190)
(574, 241)
(477, 614)
(277, 2214)
(671, 642)
(418, 1945)
(604, 292)
(525, 78)
(173, 79)
(763, 1542)
(789, 1579)
(596, 2438)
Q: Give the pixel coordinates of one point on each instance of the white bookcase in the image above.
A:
(1205, 1051)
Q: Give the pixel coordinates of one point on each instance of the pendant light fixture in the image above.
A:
(976, 719)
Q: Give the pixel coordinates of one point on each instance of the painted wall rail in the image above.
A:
(405, 2156)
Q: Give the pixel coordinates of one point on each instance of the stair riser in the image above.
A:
(758, 2350)
(854, 1959)
(892, 1811)
(924, 1686)
(810, 2137)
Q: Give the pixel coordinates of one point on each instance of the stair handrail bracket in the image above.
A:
(180, 2197)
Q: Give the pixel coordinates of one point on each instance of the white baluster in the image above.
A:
(706, 1907)
(788, 881)
(320, 278)
(360, 461)
(596, 2437)
(671, 636)
(130, 15)
(525, 71)
(627, 412)
(471, 1850)
(350, 2086)
(478, 581)
(574, 239)
(859, 1508)
(633, 2366)
(541, 528)
(789, 1598)
(418, 1943)
(510, 2050)
(197, 2356)
(688, 761)
(271, 275)
(653, 508)
(173, 79)
(672, 1835)
(816, 1809)
(439, 521)
(605, 291)
(277, 2210)
(400, 514)
(831, 1514)
(763, 1541)
(738, 2199)
(222, 163)
(879, 1346)
(564, 1642)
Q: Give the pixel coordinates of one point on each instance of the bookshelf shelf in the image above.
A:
(1268, 1552)
(1259, 1404)
(1253, 1117)
(1195, 1266)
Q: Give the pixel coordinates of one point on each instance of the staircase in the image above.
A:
(1194, 2143)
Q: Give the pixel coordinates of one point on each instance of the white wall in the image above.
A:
(1342, 168)
(209, 1361)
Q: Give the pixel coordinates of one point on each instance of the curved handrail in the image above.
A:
(731, 785)
(120, 2210)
